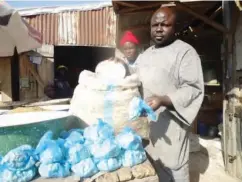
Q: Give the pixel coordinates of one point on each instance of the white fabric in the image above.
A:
(15, 34)
(88, 102)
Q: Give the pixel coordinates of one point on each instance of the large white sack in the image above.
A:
(90, 97)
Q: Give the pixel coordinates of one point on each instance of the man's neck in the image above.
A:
(165, 44)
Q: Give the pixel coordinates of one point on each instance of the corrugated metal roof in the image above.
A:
(84, 28)
(59, 9)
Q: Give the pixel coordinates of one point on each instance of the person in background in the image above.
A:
(129, 45)
(60, 88)
(172, 84)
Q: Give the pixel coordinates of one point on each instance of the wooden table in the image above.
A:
(72, 179)
(75, 179)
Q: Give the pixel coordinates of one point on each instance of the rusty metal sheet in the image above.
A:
(80, 28)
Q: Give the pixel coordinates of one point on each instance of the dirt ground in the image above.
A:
(207, 164)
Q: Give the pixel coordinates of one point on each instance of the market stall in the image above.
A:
(198, 22)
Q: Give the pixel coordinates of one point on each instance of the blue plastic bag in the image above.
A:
(73, 138)
(49, 150)
(53, 153)
(20, 158)
(65, 134)
(99, 132)
(76, 153)
(7, 175)
(54, 170)
(131, 158)
(42, 145)
(137, 107)
(129, 140)
(105, 150)
(84, 169)
(109, 165)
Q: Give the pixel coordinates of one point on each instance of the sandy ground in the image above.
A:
(207, 164)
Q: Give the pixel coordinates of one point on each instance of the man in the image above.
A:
(172, 82)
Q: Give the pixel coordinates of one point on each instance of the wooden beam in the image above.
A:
(202, 17)
(147, 26)
(215, 13)
(127, 4)
(152, 5)
(237, 2)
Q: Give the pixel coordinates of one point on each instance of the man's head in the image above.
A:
(163, 24)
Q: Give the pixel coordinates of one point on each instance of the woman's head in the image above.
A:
(61, 71)
(129, 44)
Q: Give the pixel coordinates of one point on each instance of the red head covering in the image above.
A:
(129, 37)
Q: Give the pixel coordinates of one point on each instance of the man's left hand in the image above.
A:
(154, 102)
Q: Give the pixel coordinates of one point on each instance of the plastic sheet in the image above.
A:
(109, 165)
(105, 150)
(19, 159)
(131, 158)
(84, 169)
(54, 170)
(76, 153)
(129, 140)
(138, 107)
(99, 132)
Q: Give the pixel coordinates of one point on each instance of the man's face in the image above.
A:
(163, 27)
(130, 51)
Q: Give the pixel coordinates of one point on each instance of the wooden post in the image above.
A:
(15, 76)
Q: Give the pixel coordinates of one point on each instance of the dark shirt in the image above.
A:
(62, 89)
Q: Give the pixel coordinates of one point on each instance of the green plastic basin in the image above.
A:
(27, 128)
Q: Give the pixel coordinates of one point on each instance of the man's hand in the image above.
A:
(155, 102)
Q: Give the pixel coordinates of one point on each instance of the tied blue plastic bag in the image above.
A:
(50, 151)
(105, 150)
(53, 153)
(99, 132)
(74, 138)
(132, 158)
(109, 165)
(85, 169)
(129, 140)
(138, 107)
(55, 170)
(65, 134)
(7, 175)
(76, 153)
(20, 158)
(42, 145)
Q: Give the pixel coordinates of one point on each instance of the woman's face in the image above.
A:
(130, 51)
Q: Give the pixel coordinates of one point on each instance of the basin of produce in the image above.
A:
(27, 128)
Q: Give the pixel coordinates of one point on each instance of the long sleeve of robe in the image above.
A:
(189, 95)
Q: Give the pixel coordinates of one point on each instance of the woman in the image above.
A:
(60, 88)
(129, 44)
